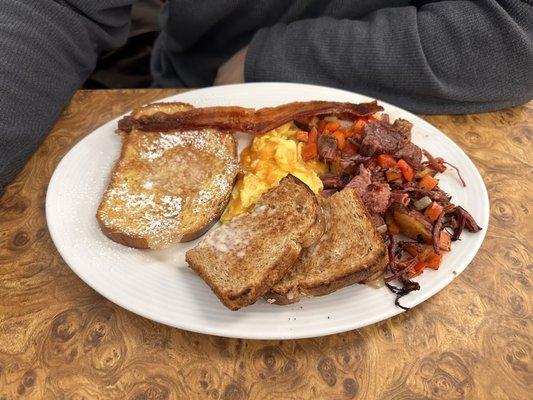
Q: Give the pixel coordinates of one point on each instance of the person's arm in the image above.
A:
(444, 57)
(232, 71)
(47, 50)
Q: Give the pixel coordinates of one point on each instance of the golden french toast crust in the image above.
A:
(106, 228)
(121, 238)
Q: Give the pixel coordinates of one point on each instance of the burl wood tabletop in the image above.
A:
(59, 339)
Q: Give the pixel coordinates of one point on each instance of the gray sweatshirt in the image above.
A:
(426, 56)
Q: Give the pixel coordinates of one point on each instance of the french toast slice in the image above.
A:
(167, 187)
(243, 258)
(350, 251)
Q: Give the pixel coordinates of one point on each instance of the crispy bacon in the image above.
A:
(245, 119)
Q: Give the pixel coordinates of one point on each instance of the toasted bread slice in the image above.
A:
(168, 187)
(242, 259)
(351, 251)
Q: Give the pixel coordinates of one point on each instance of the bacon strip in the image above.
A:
(245, 119)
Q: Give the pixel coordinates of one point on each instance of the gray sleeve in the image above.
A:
(47, 50)
(444, 57)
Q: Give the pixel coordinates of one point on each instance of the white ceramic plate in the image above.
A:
(159, 285)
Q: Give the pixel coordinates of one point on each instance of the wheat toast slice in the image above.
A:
(243, 258)
(167, 187)
(350, 251)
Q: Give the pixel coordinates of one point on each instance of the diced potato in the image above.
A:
(413, 226)
(393, 175)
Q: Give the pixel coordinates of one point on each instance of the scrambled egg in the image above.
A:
(268, 159)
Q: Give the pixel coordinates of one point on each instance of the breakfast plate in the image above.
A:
(160, 286)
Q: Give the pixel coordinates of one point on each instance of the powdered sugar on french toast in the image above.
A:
(221, 183)
(204, 196)
(149, 207)
(168, 183)
(167, 141)
(200, 140)
(172, 205)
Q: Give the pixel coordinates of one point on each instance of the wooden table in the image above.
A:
(60, 339)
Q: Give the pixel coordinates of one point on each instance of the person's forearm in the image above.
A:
(446, 57)
(47, 51)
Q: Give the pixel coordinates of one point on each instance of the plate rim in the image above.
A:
(210, 330)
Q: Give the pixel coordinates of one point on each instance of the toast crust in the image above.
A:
(363, 276)
(292, 287)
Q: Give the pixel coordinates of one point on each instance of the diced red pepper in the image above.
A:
(358, 127)
(321, 125)
(445, 241)
(341, 141)
(427, 182)
(310, 149)
(350, 148)
(313, 135)
(331, 126)
(407, 170)
(302, 136)
(347, 132)
(385, 161)
(309, 152)
(434, 261)
(433, 211)
(418, 268)
(424, 253)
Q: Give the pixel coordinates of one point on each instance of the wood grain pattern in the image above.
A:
(59, 339)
